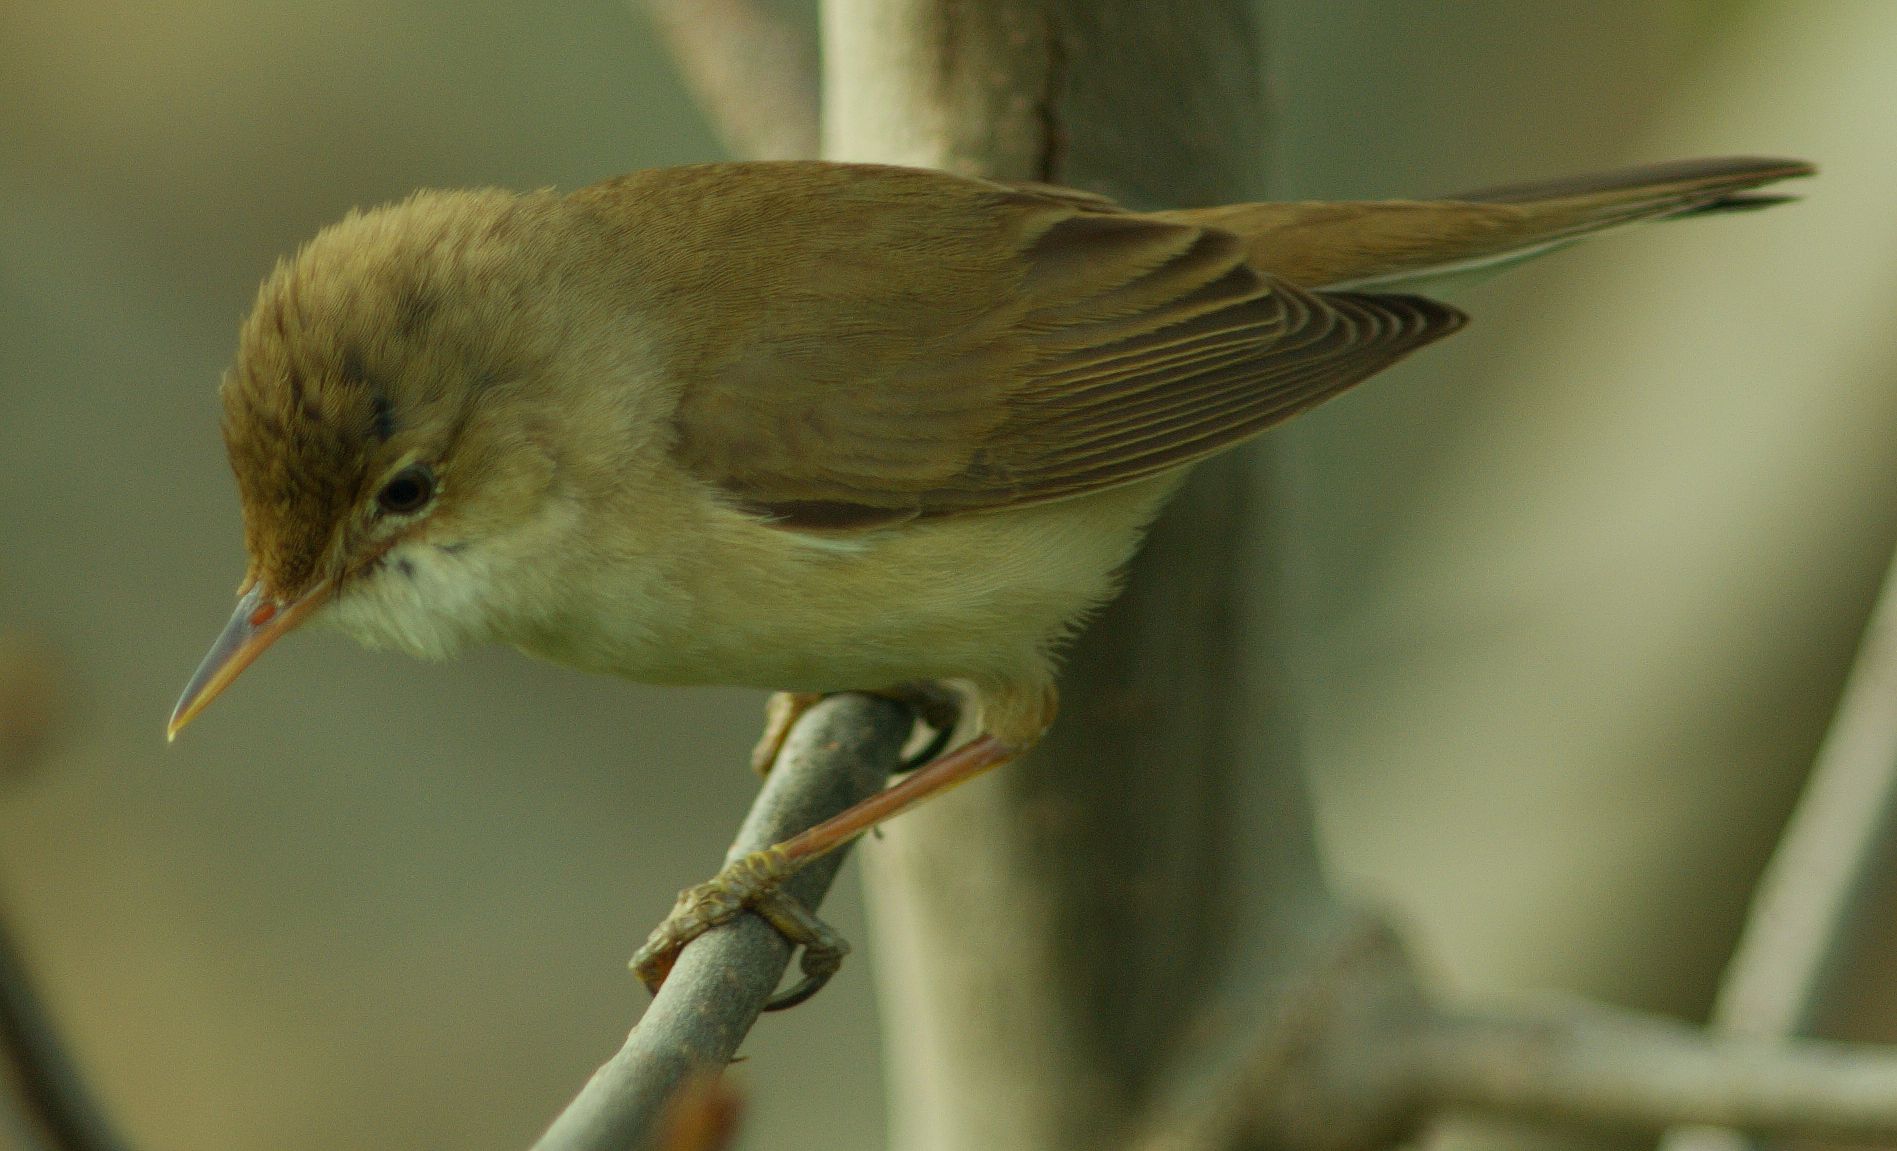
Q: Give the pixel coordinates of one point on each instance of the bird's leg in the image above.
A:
(935, 704)
(752, 881)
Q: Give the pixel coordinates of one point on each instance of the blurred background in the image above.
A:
(1582, 584)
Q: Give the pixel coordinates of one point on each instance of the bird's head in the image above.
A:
(386, 429)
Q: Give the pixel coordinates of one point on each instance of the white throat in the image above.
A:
(427, 600)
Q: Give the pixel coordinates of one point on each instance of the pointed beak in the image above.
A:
(257, 623)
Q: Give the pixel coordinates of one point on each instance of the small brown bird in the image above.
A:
(806, 426)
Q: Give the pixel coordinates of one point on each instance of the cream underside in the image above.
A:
(978, 596)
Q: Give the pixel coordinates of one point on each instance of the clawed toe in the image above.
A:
(823, 948)
(752, 882)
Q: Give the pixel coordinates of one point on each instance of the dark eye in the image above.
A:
(409, 491)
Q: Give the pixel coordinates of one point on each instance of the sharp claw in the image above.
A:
(823, 948)
(817, 969)
(652, 964)
(938, 743)
(938, 706)
(935, 704)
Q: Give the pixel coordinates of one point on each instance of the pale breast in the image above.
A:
(980, 596)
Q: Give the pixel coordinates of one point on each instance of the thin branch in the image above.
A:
(753, 71)
(1317, 1075)
(1357, 1058)
(839, 753)
(1599, 1067)
(1815, 891)
(1822, 882)
(44, 1104)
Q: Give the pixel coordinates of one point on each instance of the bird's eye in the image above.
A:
(409, 491)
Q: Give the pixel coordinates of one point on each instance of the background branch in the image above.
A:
(1827, 874)
(753, 70)
(44, 1104)
(29, 703)
(839, 753)
(1599, 1067)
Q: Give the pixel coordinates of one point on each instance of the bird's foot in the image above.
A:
(754, 882)
(938, 706)
(749, 883)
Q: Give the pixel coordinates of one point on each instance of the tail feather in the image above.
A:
(1654, 191)
(1707, 182)
(1401, 244)
(1741, 203)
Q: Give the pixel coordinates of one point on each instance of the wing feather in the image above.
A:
(933, 346)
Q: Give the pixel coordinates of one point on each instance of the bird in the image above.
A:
(809, 426)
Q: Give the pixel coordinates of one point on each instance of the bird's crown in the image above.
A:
(366, 347)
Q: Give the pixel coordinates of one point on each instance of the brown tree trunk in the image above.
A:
(1060, 943)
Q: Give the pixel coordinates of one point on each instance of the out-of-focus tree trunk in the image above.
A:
(1054, 939)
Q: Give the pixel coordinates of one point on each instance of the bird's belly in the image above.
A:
(982, 597)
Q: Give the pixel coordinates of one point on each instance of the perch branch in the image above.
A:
(839, 753)
(1357, 1058)
(752, 70)
(1600, 1067)
(1824, 877)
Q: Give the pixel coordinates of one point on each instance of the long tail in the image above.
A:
(1654, 191)
(1401, 244)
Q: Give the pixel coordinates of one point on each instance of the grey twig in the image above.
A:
(1818, 889)
(44, 1104)
(838, 754)
(1599, 1067)
(752, 69)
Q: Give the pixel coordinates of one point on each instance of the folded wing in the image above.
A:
(969, 346)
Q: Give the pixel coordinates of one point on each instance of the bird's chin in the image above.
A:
(374, 626)
(410, 609)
